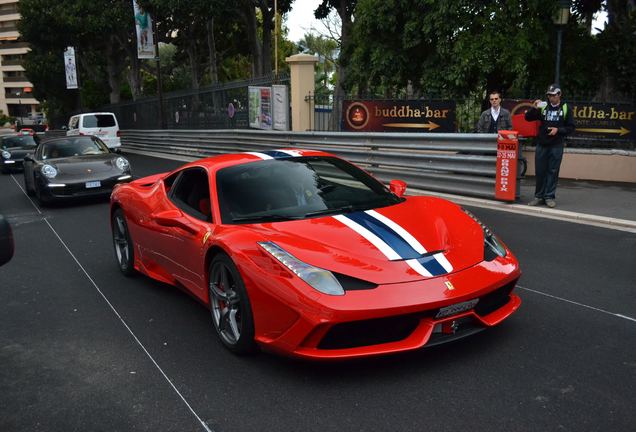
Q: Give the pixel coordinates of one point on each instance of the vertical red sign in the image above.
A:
(507, 151)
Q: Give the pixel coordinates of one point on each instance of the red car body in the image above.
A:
(393, 304)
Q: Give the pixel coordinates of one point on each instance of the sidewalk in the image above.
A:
(611, 205)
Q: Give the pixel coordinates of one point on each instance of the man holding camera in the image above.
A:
(556, 123)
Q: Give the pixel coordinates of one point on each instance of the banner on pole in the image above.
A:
(70, 68)
(145, 36)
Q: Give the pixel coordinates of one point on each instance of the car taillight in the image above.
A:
(82, 133)
(118, 133)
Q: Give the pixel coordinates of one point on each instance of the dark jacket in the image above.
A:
(550, 116)
(504, 121)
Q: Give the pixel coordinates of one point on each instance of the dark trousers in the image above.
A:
(547, 161)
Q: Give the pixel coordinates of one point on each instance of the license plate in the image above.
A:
(93, 184)
(456, 308)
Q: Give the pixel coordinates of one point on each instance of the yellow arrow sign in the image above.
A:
(622, 131)
(430, 125)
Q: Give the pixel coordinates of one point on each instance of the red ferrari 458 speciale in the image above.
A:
(304, 254)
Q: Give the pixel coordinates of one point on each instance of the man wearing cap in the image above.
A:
(556, 123)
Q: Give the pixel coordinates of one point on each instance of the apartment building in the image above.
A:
(16, 98)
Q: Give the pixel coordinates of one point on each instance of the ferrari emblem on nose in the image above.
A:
(449, 286)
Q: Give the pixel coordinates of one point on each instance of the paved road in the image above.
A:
(84, 348)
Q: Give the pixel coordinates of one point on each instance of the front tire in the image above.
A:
(230, 306)
(41, 199)
(122, 244)
(29, 189)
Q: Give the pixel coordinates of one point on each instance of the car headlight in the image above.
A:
(319, 279)
(49, 171)
(122, 163)
(6, 154)
(492, 246)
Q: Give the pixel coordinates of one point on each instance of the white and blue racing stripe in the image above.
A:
(395, 242)
(276, 154)
(260, 155)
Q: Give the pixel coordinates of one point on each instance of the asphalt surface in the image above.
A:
(84, 348)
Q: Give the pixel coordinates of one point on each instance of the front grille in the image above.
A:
(466, 326)
(369, 332)
(494, 300)
(79, 189)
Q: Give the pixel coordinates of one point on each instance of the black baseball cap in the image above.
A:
(553, 89)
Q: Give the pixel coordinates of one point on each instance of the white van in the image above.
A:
(101, 124)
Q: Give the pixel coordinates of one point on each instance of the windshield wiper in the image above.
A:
(344, 209)
(266, 218)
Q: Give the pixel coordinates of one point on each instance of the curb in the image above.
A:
(563, 215)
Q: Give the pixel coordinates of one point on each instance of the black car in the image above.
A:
(14, 148)
(73, 167)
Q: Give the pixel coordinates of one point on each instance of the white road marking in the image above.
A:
(134, 336)
(25, 194)
(579, 304)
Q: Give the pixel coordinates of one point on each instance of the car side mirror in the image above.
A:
(6, 241)
(29, 158)
(398, 187)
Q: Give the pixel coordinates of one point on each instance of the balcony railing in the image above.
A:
(15, 79)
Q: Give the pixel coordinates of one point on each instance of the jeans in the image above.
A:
(547, 163)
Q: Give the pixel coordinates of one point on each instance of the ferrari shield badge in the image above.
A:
(206, 236)
(449, 286)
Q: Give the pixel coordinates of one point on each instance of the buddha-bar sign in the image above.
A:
(399, 116)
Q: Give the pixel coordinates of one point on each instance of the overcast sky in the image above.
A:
(301, 18)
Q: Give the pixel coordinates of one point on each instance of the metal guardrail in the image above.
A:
(452, 163)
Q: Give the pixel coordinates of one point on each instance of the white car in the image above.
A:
(103, 125)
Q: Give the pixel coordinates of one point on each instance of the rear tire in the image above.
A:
(122, 244)
(230, 306)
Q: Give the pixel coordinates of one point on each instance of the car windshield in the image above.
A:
(73, 146)
(296, 188)
(22, 141)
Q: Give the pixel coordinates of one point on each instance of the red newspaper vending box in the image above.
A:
(507, 151)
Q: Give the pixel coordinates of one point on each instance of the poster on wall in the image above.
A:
(399, 116)
(260, 107)
(145, 36)
(70, 69)
(280, 107)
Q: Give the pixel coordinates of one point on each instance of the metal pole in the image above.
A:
(162, 117)
(558, 54)
(276, 40)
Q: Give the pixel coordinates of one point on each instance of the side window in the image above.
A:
(191, 193)
(73, 122)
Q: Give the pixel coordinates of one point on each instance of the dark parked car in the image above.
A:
(6, 241)
(73, 167)
(14, 148)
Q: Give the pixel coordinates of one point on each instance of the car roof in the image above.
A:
(94, 113)
(219, 162)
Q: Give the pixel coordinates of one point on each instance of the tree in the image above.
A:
(345, 10)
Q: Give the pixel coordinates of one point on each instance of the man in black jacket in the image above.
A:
(556, 123)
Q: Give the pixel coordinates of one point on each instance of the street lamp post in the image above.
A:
(560, 21)
(18, 94)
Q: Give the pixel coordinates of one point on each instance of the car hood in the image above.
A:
(79, 165)
(393, 245)
(20, 152)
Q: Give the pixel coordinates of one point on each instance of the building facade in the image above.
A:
(16, 97)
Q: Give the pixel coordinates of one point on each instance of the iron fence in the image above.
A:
(205, 108)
